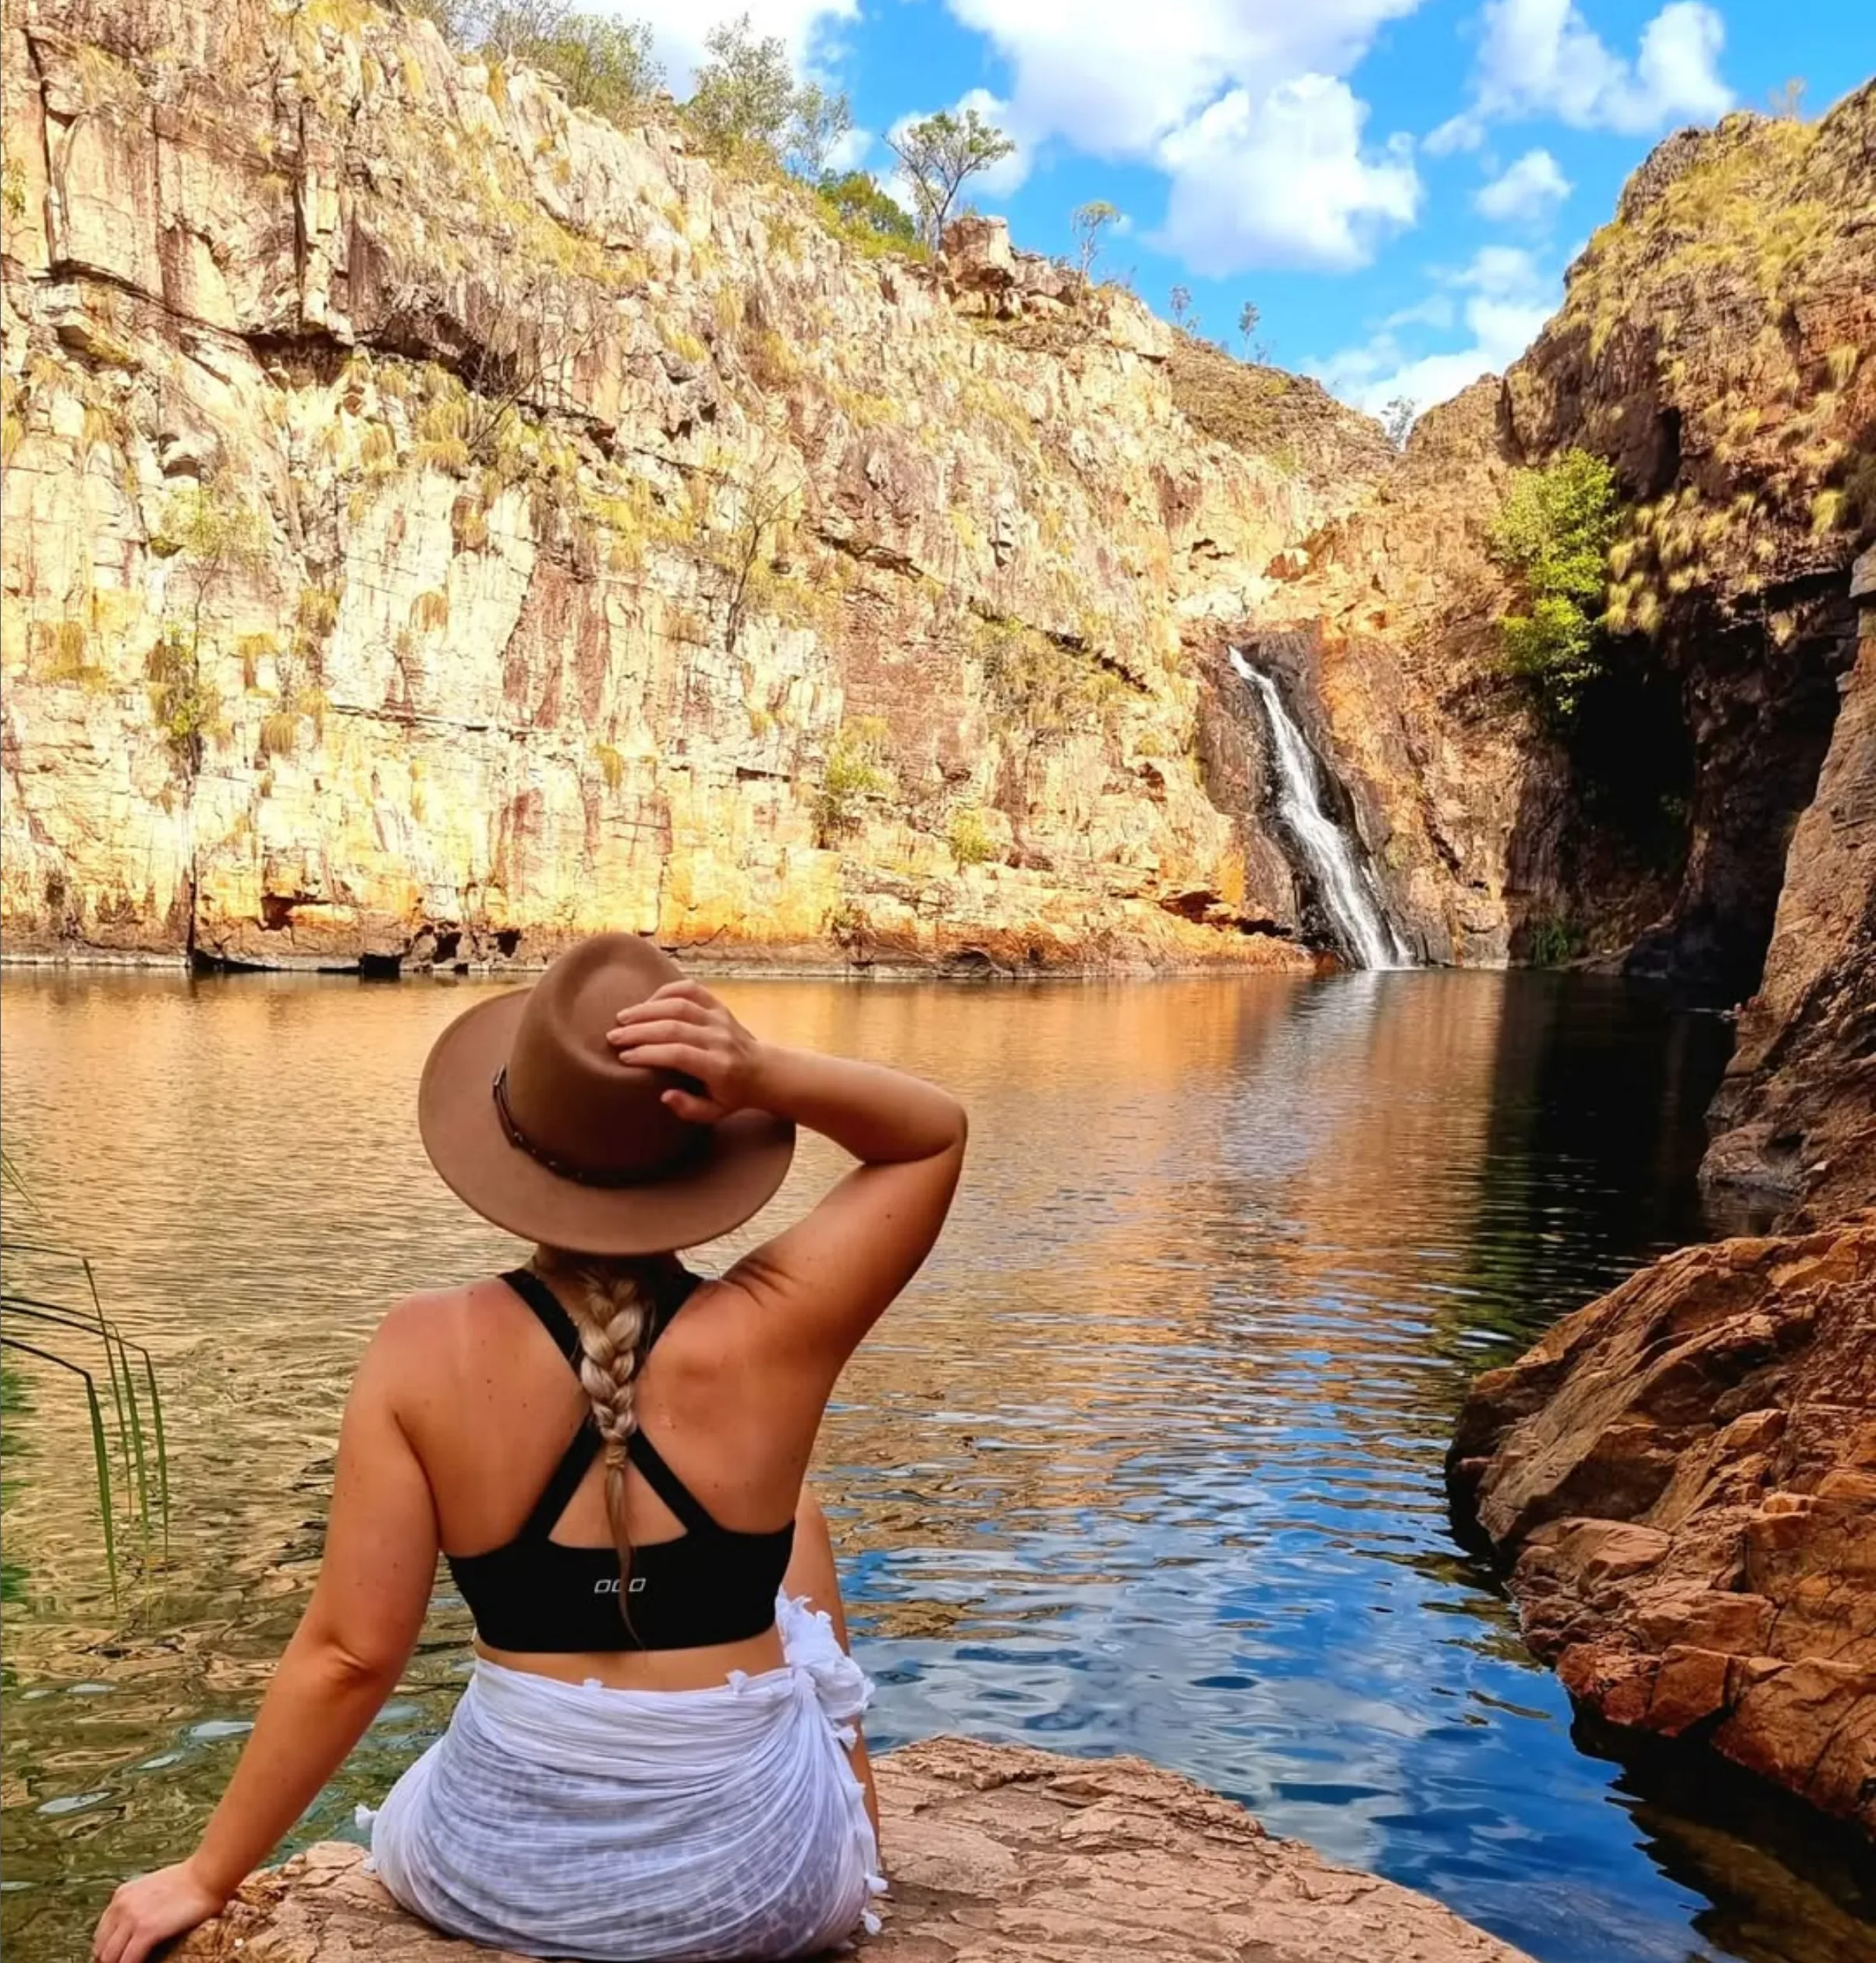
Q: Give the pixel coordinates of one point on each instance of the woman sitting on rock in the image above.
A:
(658, 1753)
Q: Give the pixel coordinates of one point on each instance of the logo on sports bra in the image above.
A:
(612, 1587)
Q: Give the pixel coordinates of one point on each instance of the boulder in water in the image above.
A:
(1682, 1479)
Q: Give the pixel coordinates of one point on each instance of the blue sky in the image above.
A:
(1397, 185)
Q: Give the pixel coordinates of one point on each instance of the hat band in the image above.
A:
(587, 1175)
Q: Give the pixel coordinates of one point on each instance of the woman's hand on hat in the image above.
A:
(683, 1027)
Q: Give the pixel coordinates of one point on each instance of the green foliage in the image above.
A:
(186, 705)
(854, 773)
(745, 90)
(969, 837)
(1039, 683)
(70, 1330)
(1554, 533)
(865, 212)
(1551, 941)
(211, 524)
(745, 103)
(819, 121)
(604, 64)
(1088, 223)
(940, 154)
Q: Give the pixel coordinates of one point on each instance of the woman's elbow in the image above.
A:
(352, 1662)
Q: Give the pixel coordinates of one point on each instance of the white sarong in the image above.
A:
(571, 1820)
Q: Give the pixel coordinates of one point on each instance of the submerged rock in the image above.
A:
(1682, 1477)
(997, 1855)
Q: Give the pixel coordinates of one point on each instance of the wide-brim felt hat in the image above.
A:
(532, 1120)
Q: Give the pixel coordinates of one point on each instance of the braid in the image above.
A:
(612, 1309)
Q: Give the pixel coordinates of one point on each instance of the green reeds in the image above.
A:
(143, 1449)
(101, 1455)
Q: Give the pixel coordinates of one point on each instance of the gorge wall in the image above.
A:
(438, 523)
(1716, 343)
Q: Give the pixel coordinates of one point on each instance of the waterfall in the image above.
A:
(1343, 879)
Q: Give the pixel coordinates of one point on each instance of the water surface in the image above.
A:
(1148, 1460)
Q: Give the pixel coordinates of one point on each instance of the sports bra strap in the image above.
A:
(565, 1480)
(665, 1484)
(563, 1483)
(548, 1311)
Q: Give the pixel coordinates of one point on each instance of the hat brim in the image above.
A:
(744, 1159)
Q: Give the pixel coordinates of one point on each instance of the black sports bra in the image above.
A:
(537, 1595)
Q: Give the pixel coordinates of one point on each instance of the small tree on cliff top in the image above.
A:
(1554, 533)
(1089, 222)
(940, 154)
(745, 92)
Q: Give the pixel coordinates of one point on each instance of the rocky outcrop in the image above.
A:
(1714, 344)
(438, 523)
(1795, 1120)
(997, 1855)
(1681, 1478)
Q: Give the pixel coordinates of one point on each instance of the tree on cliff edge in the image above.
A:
(940, 154)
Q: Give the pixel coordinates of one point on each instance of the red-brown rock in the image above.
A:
(1683, 1478)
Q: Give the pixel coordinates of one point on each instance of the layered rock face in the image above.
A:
(1681, 1478)
(438, 523)
(1795, 1120)
(996, 1856)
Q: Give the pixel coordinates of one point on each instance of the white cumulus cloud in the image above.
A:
(1541, 58)
(1113, 76)
(1284, 182)
(1508, 297)
(1524, 192)
(1241, 103)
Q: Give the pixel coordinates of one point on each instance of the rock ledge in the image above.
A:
(997, 1855)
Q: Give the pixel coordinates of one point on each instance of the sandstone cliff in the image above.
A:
(438, 523)
(1681, 1480)
(996, 1856)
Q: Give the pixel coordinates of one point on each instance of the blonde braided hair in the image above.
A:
(611, 1305)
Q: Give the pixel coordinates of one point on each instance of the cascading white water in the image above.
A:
(1365, 930)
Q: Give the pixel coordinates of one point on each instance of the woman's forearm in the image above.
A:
(882, 1116)
(315, 1710)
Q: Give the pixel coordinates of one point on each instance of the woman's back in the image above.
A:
(490, 1403)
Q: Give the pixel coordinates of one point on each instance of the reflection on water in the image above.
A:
(1148, 1461)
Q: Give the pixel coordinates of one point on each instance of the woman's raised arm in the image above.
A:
(831, 1274)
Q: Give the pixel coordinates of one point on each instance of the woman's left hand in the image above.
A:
(151, 1909)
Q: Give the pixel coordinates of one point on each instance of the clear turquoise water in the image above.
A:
(1149, 1460)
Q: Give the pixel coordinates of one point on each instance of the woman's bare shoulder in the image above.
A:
(425, 1330)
